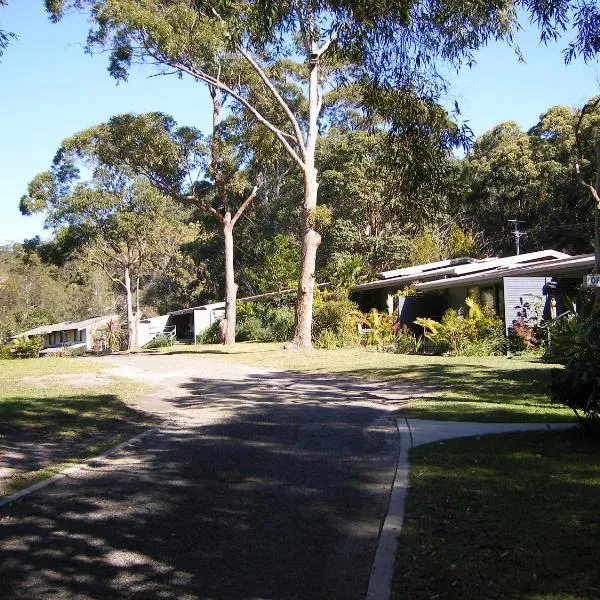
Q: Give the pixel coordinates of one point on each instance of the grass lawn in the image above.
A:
(509, 516)
(470, 388)
(65, 404)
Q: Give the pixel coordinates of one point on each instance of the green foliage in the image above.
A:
(530, 175)
(379, 330)
(34, 293)
(278, 265)
(160, 341)
(474, 333)
(261, 322)
(577, 385)
(109, 336)
(404, 341)
(335, 320)
(211, 335)
(26, 347)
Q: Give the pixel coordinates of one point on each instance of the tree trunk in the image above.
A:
(597, 220)
(132, 342)
(230, 284)
(310, 237)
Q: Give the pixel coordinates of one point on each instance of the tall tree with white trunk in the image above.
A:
(380, 46)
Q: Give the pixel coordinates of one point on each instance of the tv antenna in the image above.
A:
(518, 233)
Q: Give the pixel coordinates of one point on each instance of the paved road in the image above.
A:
(261, 486)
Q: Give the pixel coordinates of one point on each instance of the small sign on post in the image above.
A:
(592, 281)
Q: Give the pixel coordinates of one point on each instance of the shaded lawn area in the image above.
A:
(48, 422)
(510, 516)
(491, 389)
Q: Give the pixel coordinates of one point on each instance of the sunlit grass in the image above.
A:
(467, 388)
(38, 406)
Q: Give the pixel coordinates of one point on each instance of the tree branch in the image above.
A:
(284, 105)
(244, 205)
(282, 136)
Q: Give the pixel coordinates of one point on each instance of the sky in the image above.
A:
(52, 89)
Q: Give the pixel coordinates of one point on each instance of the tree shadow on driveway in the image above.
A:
(281, 499)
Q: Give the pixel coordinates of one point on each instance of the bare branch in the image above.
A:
(284, 105)
(244, 205)
(105, 269)
(328, 43)
(282, 136)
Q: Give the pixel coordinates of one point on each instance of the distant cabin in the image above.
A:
(77, 335)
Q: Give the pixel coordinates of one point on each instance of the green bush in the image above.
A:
(471, 334)
(404, 341)
(26, 347)
(578, 384)
(335, 314)
(251, 329)
(160, 341)
(212, 335)
(5, 352)
(281, 323)
(327, 339)
(379, 330)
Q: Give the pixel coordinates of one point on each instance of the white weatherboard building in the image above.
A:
(77, 335)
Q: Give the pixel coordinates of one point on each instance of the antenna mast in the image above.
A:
(518, 233)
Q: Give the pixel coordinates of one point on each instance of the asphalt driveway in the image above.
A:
(261, 485)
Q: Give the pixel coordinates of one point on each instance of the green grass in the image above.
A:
(469, 388)
(510, 516)
(83, 419)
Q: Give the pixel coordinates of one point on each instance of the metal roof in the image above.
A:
(464, 267)
(573, 266)
(66, 326)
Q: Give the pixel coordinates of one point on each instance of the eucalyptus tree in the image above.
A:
(214, 174)
(531, 175)
(121, 224)
(391, 49)
(587, 133)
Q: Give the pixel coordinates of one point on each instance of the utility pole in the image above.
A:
(518, 233)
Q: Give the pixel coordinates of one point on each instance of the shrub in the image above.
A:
(251, 329)
(404, 341)
(212, 335)
(578, 384)
(379, 329)
(26, 347)
(281, 323)
(456, 334)
(5, 352)
(160, 341)
(335, 314)
(110, 336)
(328, 339)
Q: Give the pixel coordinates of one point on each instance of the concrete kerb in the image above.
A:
(413, 433)
(78, 467)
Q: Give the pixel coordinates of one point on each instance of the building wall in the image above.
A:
(149, 328)
(521, 290)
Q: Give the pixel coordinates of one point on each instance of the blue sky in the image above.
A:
(51, 89)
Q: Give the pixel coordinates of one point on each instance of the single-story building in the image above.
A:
(78, 335)
(186, 324)
(502, 284)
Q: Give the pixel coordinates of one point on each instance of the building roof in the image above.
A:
(447, 270)
(572, 266)
(66, 326)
